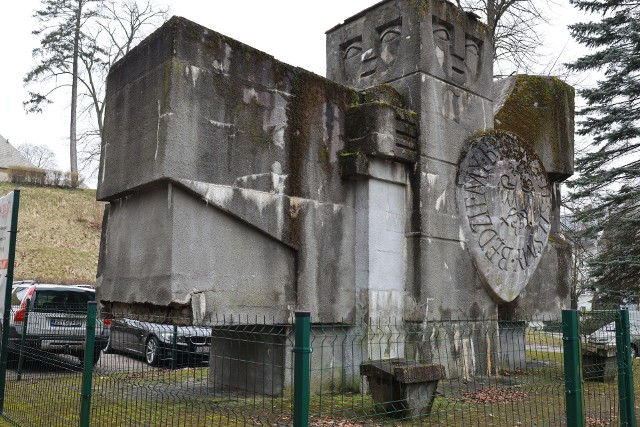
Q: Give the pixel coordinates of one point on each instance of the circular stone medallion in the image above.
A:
(504, 198)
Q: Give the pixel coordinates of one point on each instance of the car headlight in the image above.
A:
(168, 338)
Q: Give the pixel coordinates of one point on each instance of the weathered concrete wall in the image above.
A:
(549, 289)
(259, 358)
(349, 199)
(192, 104)
(250, 148)
(439, 60)
(208, 277)
(136, 255)
(465, 348)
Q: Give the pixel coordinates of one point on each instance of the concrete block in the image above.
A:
(541, 110)
(402, 388)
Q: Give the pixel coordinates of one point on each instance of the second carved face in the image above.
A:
(457, 53)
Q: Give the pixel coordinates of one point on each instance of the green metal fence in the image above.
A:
(449, 373)
(231, 371)
(606, 356)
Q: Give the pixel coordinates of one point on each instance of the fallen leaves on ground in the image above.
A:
(597, 422)
(336, 423)
(516, 372)
(148, 374)
(494, 395)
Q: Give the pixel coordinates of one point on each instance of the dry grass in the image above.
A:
(58, 234)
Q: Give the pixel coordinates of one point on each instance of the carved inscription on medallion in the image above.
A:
(504, 198)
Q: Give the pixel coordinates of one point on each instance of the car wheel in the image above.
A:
(96, 357)
(108, 348)
(152, 350)
(634, 352)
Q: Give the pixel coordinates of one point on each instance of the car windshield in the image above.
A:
(62, 300)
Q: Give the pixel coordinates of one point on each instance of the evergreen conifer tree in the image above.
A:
(61, 24)
(608, 182)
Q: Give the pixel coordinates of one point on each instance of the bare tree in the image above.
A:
(584, 248)
(81, 39)
(515, 31)
(121, 25)
(40, 156)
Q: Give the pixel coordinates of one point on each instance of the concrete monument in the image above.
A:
(406, 184)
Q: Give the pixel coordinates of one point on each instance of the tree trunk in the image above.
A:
(491, 19)
(73, 153)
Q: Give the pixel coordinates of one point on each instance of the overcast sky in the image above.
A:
(290, 30)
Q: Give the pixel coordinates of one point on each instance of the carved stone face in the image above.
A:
(397, 38)
(367, 49)
(375, 54)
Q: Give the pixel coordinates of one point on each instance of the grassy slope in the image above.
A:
(58, 234)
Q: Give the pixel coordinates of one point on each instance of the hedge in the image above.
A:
(43, 177)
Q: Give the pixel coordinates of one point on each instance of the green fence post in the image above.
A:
(625, 370)
(4, 347)
(174, 346)
(23, 340)
(87, 373)
(302, 354)
(573, 391)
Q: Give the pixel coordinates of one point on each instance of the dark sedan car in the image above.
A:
(159, 343)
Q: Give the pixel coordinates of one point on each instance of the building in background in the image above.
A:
(10, 156)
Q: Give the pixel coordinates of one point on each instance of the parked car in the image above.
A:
(154, 341)
(606, 335)
(19, 289)
(56, 319)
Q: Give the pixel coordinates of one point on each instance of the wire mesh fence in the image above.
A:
(449, 373)
(600, 366)
(227, 371)
(46, 356)
(222, 372)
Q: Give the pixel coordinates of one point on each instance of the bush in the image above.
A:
(27, 175)
(55, 178)
(42, 177)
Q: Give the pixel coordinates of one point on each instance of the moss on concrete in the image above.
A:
(310, 93)
(534, 103)
(383, 93)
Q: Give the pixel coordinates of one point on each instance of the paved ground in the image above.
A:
(50, 365)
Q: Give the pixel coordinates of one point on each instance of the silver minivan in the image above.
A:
(55, 319)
